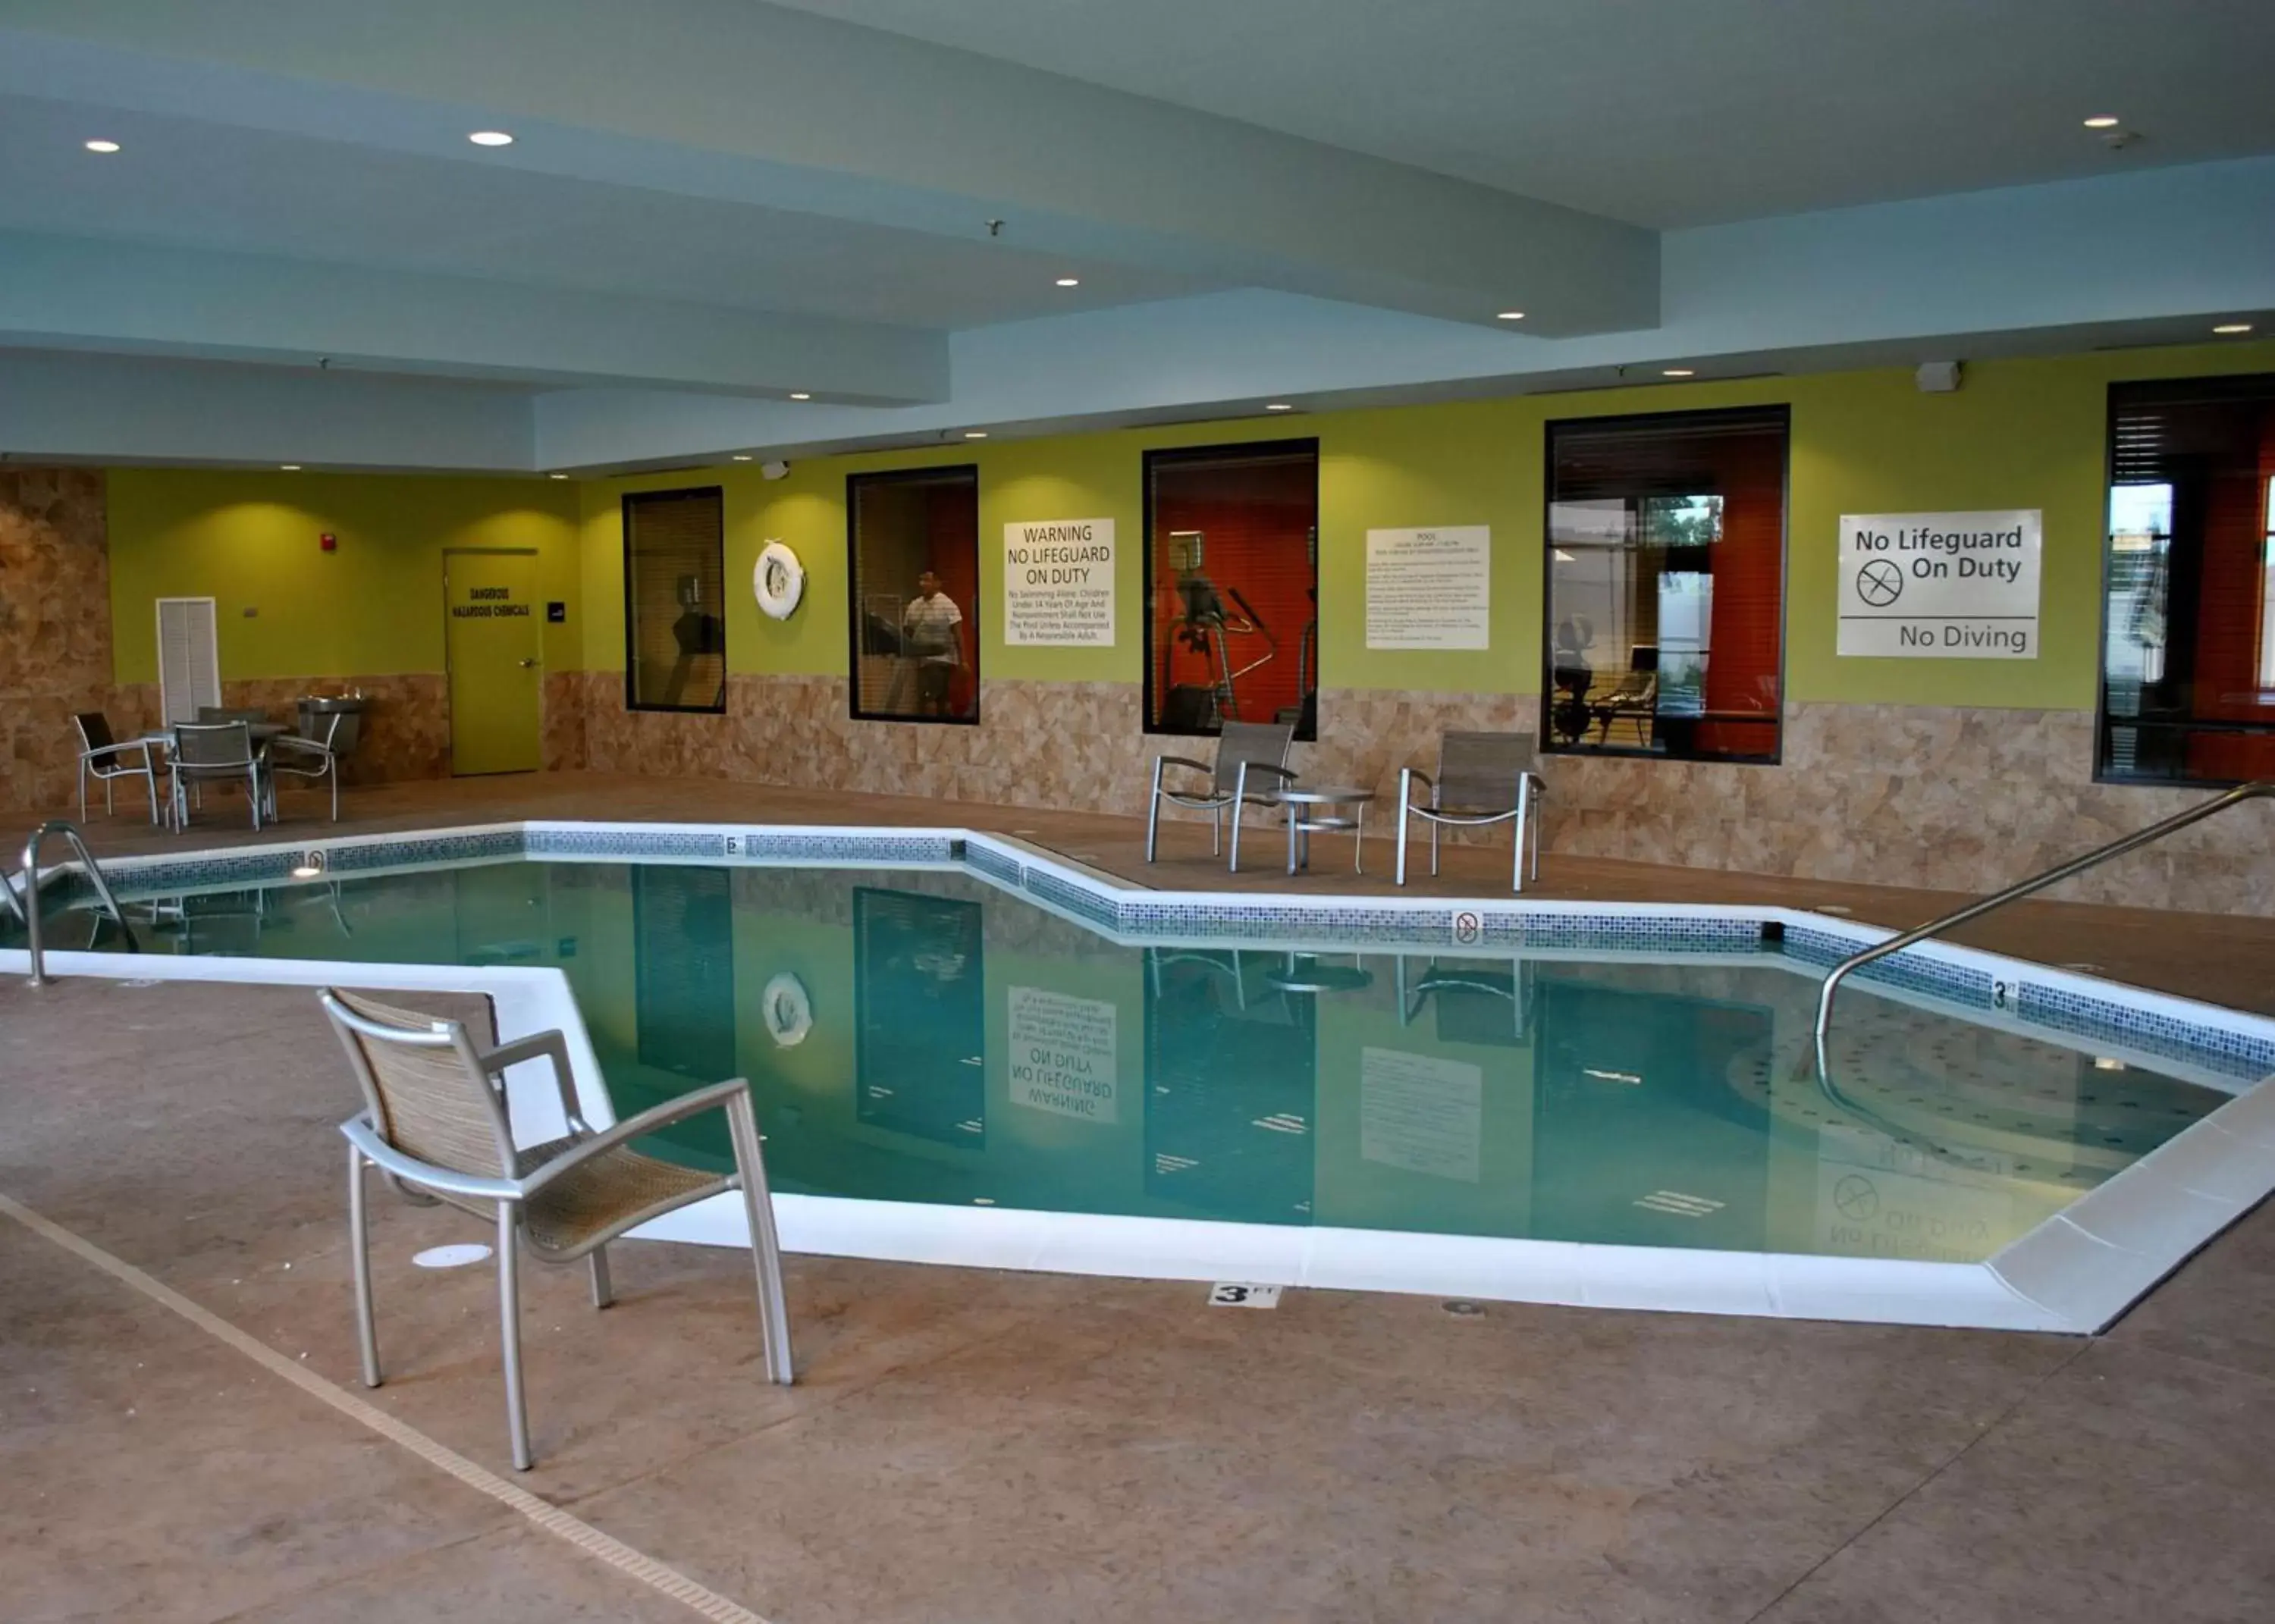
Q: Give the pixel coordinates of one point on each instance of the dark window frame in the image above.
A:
(2252, 385)
(898, 476)
(632, 648)
(1782, 411)
(1172, 455)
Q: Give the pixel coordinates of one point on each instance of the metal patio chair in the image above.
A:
(211, 752)
(101, 755)
(1482, 778)
(1244, 749)
(436, 1124)
(308, 755)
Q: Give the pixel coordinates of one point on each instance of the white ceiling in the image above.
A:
(1673, 112)
(216, 186)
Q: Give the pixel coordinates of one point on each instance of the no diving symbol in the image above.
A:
(1468, 927)
(1879, 582)
(1855, 1197)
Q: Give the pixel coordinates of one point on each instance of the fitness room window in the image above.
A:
(914, 538)
(2188, 660)
(1232, 602)
(675, 601)
(1667, 585)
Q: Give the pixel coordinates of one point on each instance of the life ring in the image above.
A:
(778, 579)
(787, 1011)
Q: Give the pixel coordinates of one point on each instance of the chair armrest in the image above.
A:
(670, 1111)
(360, 1134)
(293, 741)
(1197, 766)
(1416, 772)
(542, 1045)
(100, 751)
(1287, 774)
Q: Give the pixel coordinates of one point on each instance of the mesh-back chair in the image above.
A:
(1246, 751)
(1482, 778)
(436, 1123)
(307, 754)
(211, 752)
(101, 755)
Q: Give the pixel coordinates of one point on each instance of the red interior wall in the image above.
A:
(1257, 517)
(952, 550)
(2227, 685)
(1745, 637)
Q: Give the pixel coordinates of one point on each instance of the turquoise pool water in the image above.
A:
(920, 1037)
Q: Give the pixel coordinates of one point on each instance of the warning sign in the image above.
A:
(1062, 1057)
(1940, 586)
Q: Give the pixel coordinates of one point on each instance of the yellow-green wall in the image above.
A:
(2021, 434)
(372, 607)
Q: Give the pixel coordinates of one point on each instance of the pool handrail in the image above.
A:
(28, 904)
(1976, 910)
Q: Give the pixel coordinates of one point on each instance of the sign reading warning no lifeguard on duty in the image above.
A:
(1940, 586)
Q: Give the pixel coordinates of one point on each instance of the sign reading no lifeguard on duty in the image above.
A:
(1940, 586)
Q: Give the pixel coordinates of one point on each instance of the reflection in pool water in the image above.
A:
(928, 1039)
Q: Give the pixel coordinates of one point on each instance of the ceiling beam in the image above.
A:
(73, 293)
(738, 99)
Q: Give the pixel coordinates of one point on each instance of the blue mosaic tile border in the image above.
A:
(1076, 898)
(1916, 972)
(993, 863)
(2241, 1054)
(848, 847)
(625, 843)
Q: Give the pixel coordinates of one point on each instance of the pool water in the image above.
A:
(916, 1036)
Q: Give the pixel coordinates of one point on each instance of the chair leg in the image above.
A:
(109, 809)
(766, 1244)
(1517, 882)
(360, 1244)
(335, 776)
(150, 783)
(1433, 848)
(1405, 783)
(82, 789)
(603, 1292)
(517, 1411)
(1216, 831)
(1153, 813)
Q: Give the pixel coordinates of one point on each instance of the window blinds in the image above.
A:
(675, 600)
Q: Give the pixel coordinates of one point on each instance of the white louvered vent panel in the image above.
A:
(189, 664)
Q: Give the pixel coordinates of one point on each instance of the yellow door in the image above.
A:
(497, 643)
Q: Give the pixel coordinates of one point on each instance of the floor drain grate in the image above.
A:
(1462, 1308)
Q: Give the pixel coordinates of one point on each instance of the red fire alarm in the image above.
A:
(328, 541)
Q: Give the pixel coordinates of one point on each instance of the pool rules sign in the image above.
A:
(1940, 586)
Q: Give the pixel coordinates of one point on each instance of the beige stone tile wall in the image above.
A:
(55, 627)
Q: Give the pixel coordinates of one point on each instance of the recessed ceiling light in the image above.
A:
(2102, 121)
(1279, 405)
(1069, 282)
(490, 137)
(1510, 316)
(741, 456)
(289, 467)
(102, 146)
(975, 433)
(556, 476)
(2233, 326)
(799, 394)
(1679, 372)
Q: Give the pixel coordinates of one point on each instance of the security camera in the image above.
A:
(773, 470)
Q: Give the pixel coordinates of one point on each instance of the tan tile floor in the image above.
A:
(965, 1444)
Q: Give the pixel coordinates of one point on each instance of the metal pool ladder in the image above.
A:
(1999, 899)
(26, 907)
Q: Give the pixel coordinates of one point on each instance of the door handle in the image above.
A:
(527, 664)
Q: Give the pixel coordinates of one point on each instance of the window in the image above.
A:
(1232, 602)
(1665, 621)
(2188, 656)
(914, 542)
(675, 601)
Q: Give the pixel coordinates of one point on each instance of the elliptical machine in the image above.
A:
(1201, 625)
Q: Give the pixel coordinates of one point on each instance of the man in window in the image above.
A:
(930, 636)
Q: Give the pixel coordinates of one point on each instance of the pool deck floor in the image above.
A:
(975, 1446)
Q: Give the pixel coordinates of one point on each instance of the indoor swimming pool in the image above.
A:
(915, 1034)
